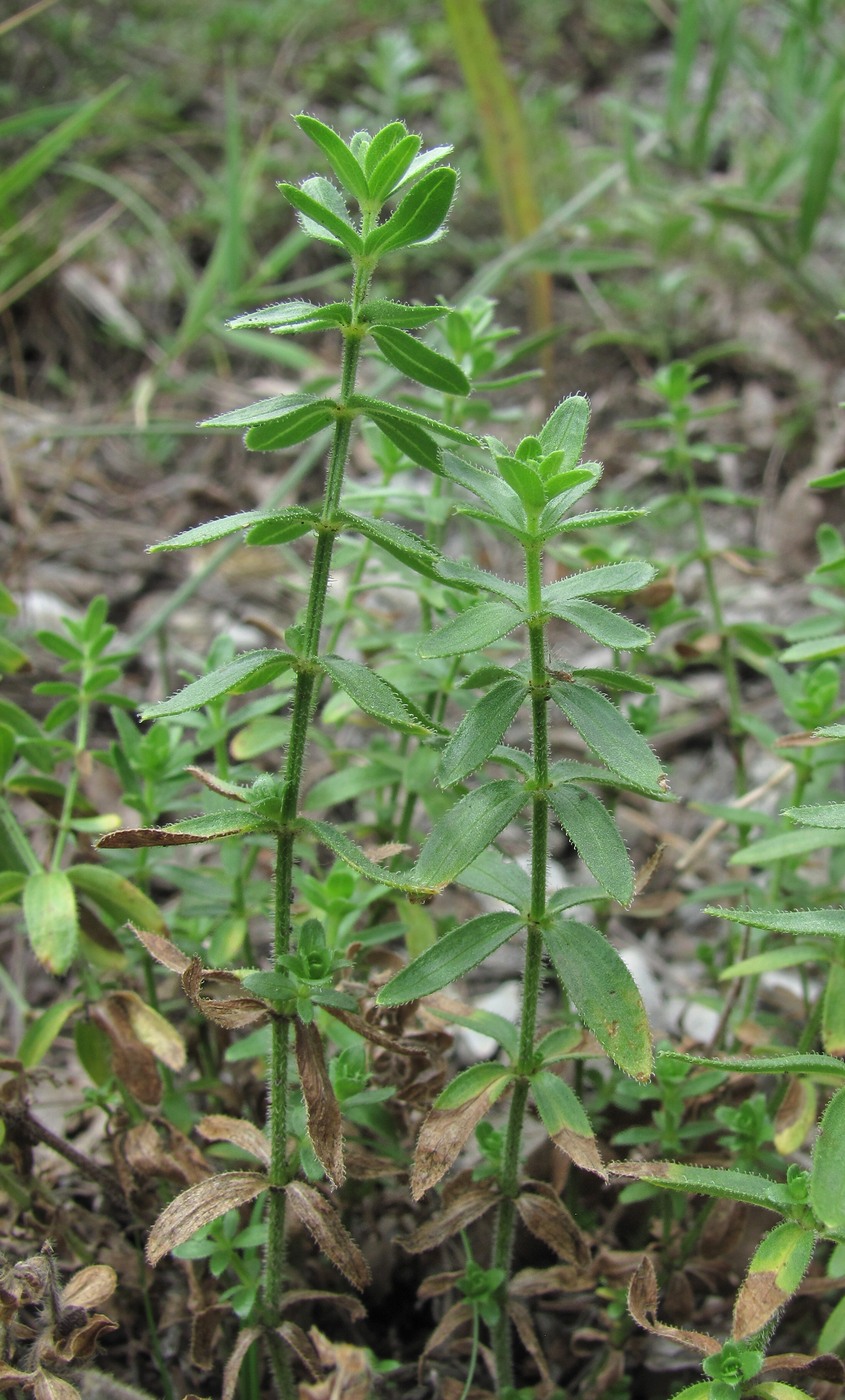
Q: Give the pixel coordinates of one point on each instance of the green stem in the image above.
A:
(72, 784)
(506, 1219)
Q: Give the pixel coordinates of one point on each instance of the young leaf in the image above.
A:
(376, 696)
(264, 411)
(420, 214)
(294, 427)
(290, 317)
(381, 312)
(603, 626)
(338, 154)
(609, 735)
(322, 214)
(566, 430)
(596, 838)
(780, 1262)
(466, 830)
(392, 168)
(383, 141)
(827, 1180)
(455, 954)
(49, 908)
(250, 669)
(480, 730)
(565, 1121)
(603, 992)
(480, 625)
(501, 498)
(416, 360)
(606, 578)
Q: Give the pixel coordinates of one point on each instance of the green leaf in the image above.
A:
(722, 1182)
(410, 549)
(12, 883)
(213, 530)
(322, 212)
(117, 896)
(416, 360)
(827, 1179)
(393, 167)
(465, 831)
(566, 430)
(480, 625)
(342, 846)
(603, 992)
(493, 874)
(472, 1082)
(338, 154)
(827, 814)
(480, 730)
(594, 834)
(289, 317)
(372, 407)
(821, 165)
(779, 1263)
(609, 735)
(604, 626)
(626, 577)
(382, 312)
(40, 1034)
(282, 526)
(49, 907)
(786, 846)
(524, 480)
(264, 411)
(833, 1011)
(451, 957)
(789, 1062)
(564, 1119)
(420, 214)
(19, 175)
(250, 669)
(414, 441)
(294, 427)
(486, 1023)
(376, 696)
(383, 141)
(501, 498)
(824, 923)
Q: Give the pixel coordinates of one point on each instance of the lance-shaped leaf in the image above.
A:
(796, 1116)
(219, 1127)
(214, 530)
(543, 1213)
(151, 1028)
(116, 896)
(780, 1262)
(379, 311)
(414, 552)
(234, 1012)
(826, 923)
(480, 730)
(419, 362)
(603, 992)
(376, 696)
(504, 503)
(722, 1182)
(198, 1206)
(392, 167)
(480, 625)
(491, 873)
(465, 831)
(462, 1209)
(603, 626)
(596, 838)
(325, 1226)
(344, 847)
(321, 1106)
(214, 826)
(827, 1179)
(643, 1299)
(322, 213)
(456, 1112)
(565, 1121)
(419, 216)
(294, 427)
(416, 443)
(787, 1062)
(49, 908)
(264, 411)
(609, 735)
(451, 957)
(245, 672)
(833, 1011)
(566, 430)
(363, 404)
(287, 317)
(607, 578)
(338, 154)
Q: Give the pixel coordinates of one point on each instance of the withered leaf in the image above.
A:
(232, 1013)
(159, 1151)
(215, 784)
(205, 1332)
(642, 1305)
(521, 1319)
(797, 1114)
(163, 950)
(826, 1367)
(232, 1369)
(90, 1287)
(538, 1283)
(456, 1317)
(548, 1220)
(11, 1377)
(469, 1205)
(152, 1030)
(361, 1026)
(352, 1306)
(79, 1345)
(321, 1106)
(363, 1165)
(435, 1285)
(198, 1205)
(46, 1386)
(323, 1222)
(219, 1127)
(132, 838)
(133, 1063)
(443, 1135)
(300, 1344)
(350, 1375)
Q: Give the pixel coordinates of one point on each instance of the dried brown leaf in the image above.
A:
(539, 1283)
(758, 1301)
(443, 1135)
(90, 1287)
(521, 1319)
(321, 1106)
(219, 1127)
(469, 1205)
(46, 1386)
(352, 1306)
(215, 784)
(79, 1345)
(231, 1370)
(10, 1377)
(159, 1151)
(205, 1334)
(361, 1026)
(642, 1305)
(133, 838)
(435, 1285)
(797, 1112)
(548, 1220)
(323, 1222)
(299, 1343)
(826, 1367)
(198, 1205)
(163, 950)
(133, 1063)
(351, 1372)
(152, 1030)
(456, 1317)
(233, 1013)
(363, 1165)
